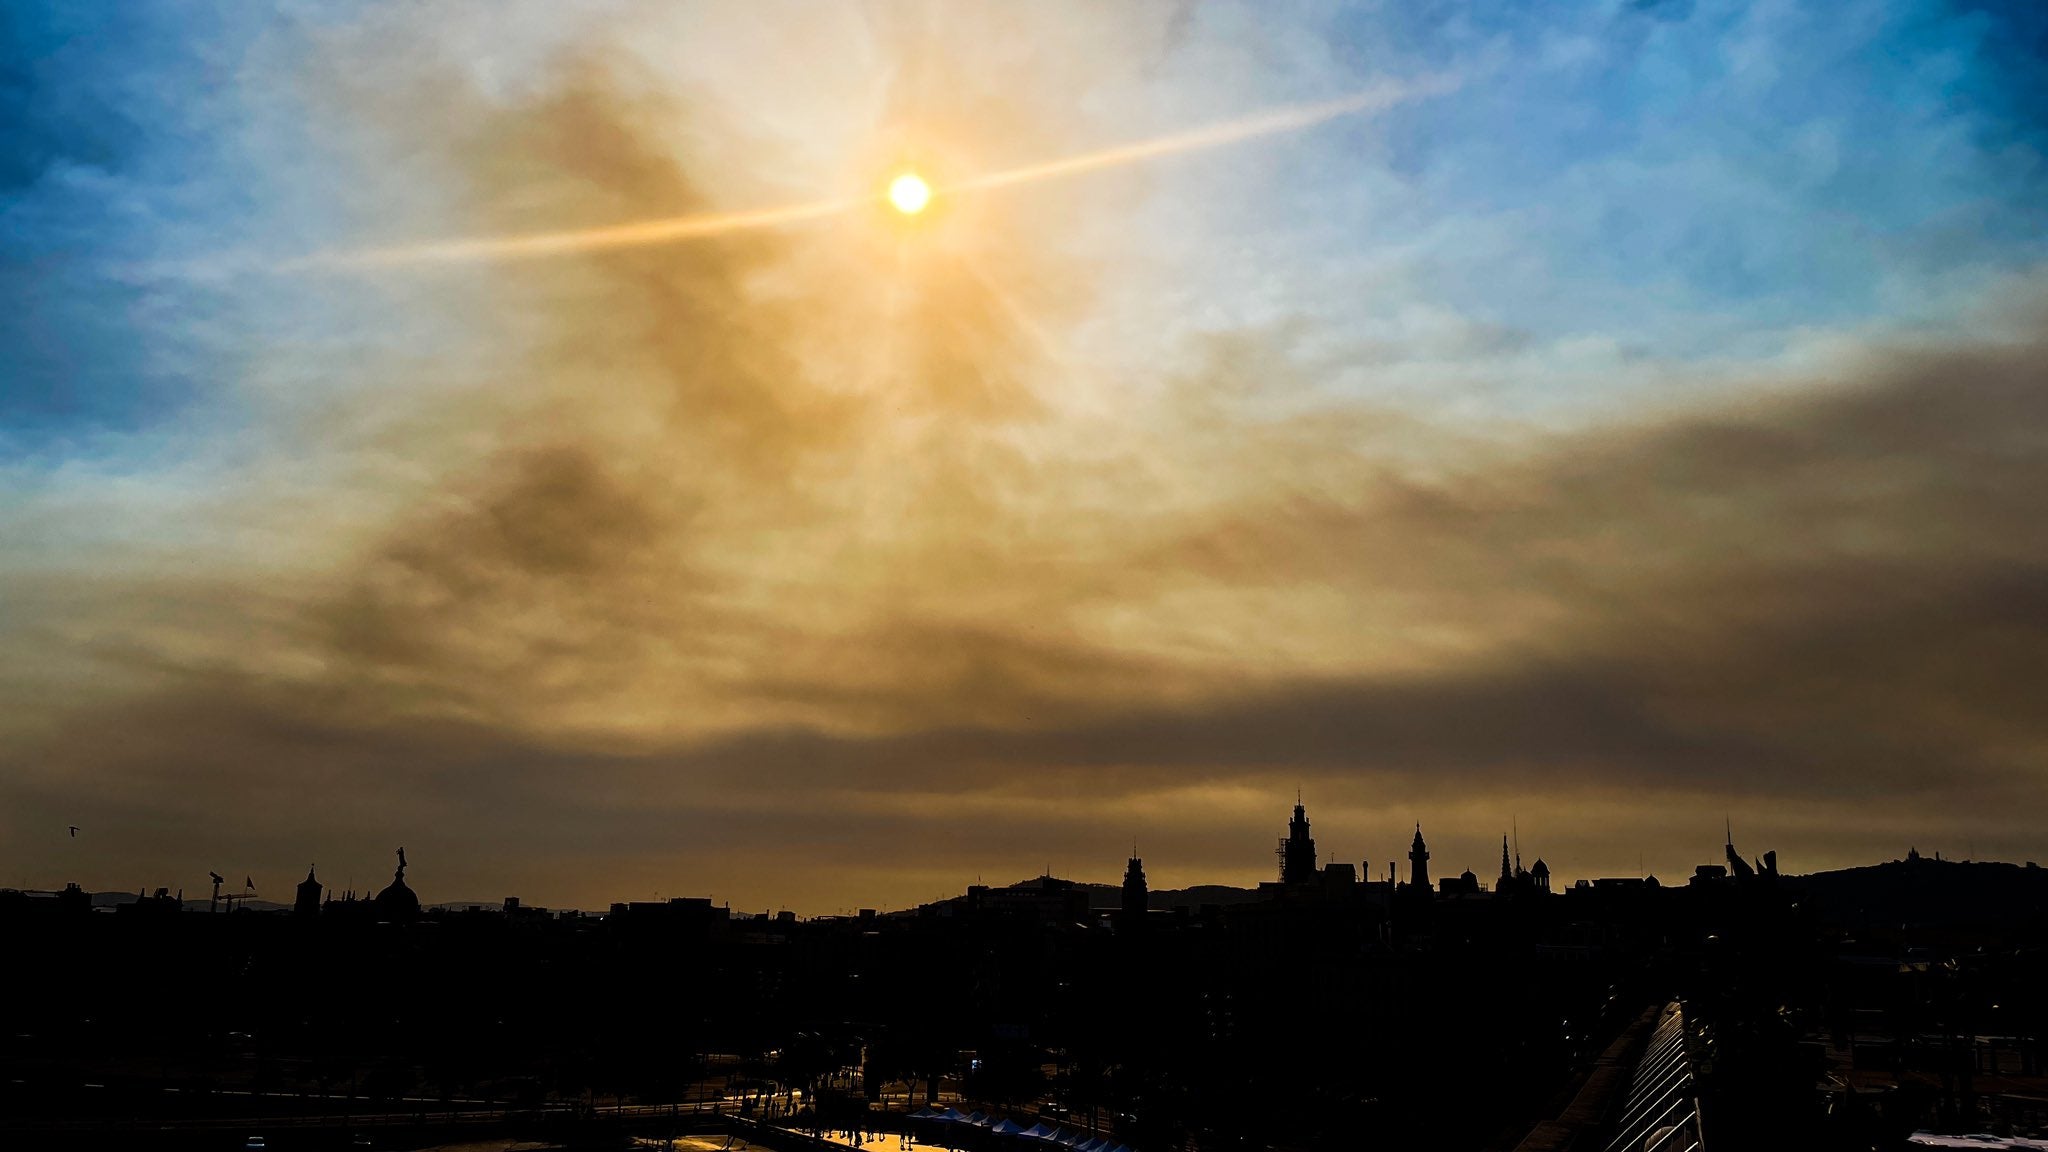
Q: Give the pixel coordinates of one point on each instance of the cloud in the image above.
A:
(818, 567)
(1825, 599)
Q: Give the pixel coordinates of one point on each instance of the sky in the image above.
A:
(1618, 418)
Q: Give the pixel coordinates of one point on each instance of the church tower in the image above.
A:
(1298, 851)
(308, 903)
(1418, 863)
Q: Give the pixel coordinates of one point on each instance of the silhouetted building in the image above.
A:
(308, 902)
(1465, 883)
(160, 904)
(1480, 1009)
(74, 901)
(1765, 869)
(1136, 897)
(397, 902)
(1298, 852)
(1418, 863)
(1516, 880)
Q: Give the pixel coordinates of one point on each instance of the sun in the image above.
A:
(909, 193)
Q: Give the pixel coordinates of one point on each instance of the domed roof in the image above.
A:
(398, 902)
(1541, 869)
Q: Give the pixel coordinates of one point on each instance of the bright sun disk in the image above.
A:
(909, 193)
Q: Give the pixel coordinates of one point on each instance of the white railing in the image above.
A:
(1661, 1112)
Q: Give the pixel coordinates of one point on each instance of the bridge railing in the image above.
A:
(1661, 1112)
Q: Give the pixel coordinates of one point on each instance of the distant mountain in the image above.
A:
(201, 905)
(1925, 891)
(192, 904)
(1108, 896)
(1200, 894)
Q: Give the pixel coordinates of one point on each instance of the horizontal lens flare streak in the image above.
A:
(1280, 120)
(675, 229)
(536, 245)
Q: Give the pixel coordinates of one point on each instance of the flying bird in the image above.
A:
(74, 831)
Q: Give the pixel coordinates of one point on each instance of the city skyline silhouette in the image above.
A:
(830, 533)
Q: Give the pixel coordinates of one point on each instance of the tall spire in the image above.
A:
(1418, 862)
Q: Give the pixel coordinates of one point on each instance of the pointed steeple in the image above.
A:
(1418, 862)
(308, 901)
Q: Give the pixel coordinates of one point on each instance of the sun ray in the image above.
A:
(675, 229)
(667, 230)
(1276, 121)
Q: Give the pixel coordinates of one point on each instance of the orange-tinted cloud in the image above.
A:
(811, 570)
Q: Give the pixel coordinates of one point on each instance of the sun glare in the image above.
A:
(909, 193)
